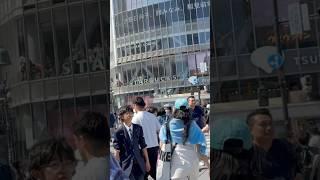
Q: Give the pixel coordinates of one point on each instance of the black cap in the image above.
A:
(139, 101)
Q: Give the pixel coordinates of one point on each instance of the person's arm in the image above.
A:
(143, 146)
(146, 157)
(205, 129)
(117, 145)
(198, 137)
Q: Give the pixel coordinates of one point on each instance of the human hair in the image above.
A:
(230, 167)
(123, 110)
(185, 116)
(190, 98)
(94, 127)
(251, 116)
(139, 102)
(161, 112)
(152, 109)
(44, 152)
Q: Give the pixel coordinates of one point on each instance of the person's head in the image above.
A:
(231, 148)
(168, 109)
(138, 104)
(181, 110)
(191, 101)
(92, 135)
(125, 114)
(52, 159)
(260, 124)
(303, 138)
(161, 112)
(152, 110)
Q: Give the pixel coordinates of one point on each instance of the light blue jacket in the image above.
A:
(177, 126)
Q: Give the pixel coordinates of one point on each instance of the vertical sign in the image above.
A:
(294, 16)
(305, 17)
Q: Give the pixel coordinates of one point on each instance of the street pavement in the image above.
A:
(203, 170)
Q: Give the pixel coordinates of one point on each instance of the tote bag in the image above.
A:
(165, 157)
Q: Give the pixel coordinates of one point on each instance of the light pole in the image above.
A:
(281, 76)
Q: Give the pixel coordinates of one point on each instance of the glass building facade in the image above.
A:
(239, 28)
(60, 57)
(159, 45)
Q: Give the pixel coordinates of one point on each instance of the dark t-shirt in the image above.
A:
(197, 116)
(279, 162)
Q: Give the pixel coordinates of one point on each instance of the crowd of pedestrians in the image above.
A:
(241, 149)
(143, 129)
(136, 139)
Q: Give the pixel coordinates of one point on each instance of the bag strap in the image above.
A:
(169, 139)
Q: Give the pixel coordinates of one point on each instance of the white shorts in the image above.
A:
(185, 163)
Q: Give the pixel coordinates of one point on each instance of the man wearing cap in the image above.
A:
(151, 128)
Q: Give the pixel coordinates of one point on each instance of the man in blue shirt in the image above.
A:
(197, 112)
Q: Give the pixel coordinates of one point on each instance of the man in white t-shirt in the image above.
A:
(151, 127)
(91, 134)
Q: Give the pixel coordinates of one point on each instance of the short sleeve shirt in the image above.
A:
(150, 126)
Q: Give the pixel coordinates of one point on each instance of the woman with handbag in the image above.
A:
(184, 136)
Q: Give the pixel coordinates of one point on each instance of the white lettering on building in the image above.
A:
(307, 60)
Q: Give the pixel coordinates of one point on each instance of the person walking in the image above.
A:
(151, 127)
(197, 112)
(187, 137)
(162, 116)
(168, 109)
(92, 138)
(129, 143)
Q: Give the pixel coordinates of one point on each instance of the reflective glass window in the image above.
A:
(47, 44)
(135, 21)
(202, 36)
(140, 19)
(174, 11)
(165, 43)
(170, 40)
(159, 44)
(162, 14)
(137, 48)
(146, 19)
(168, 13)
(189, 39)
(156, 15)
(180, 10)
(143, 47)
(183, 40)
(187, 11)
(197, 6)
(151, 17)
(195, 38)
